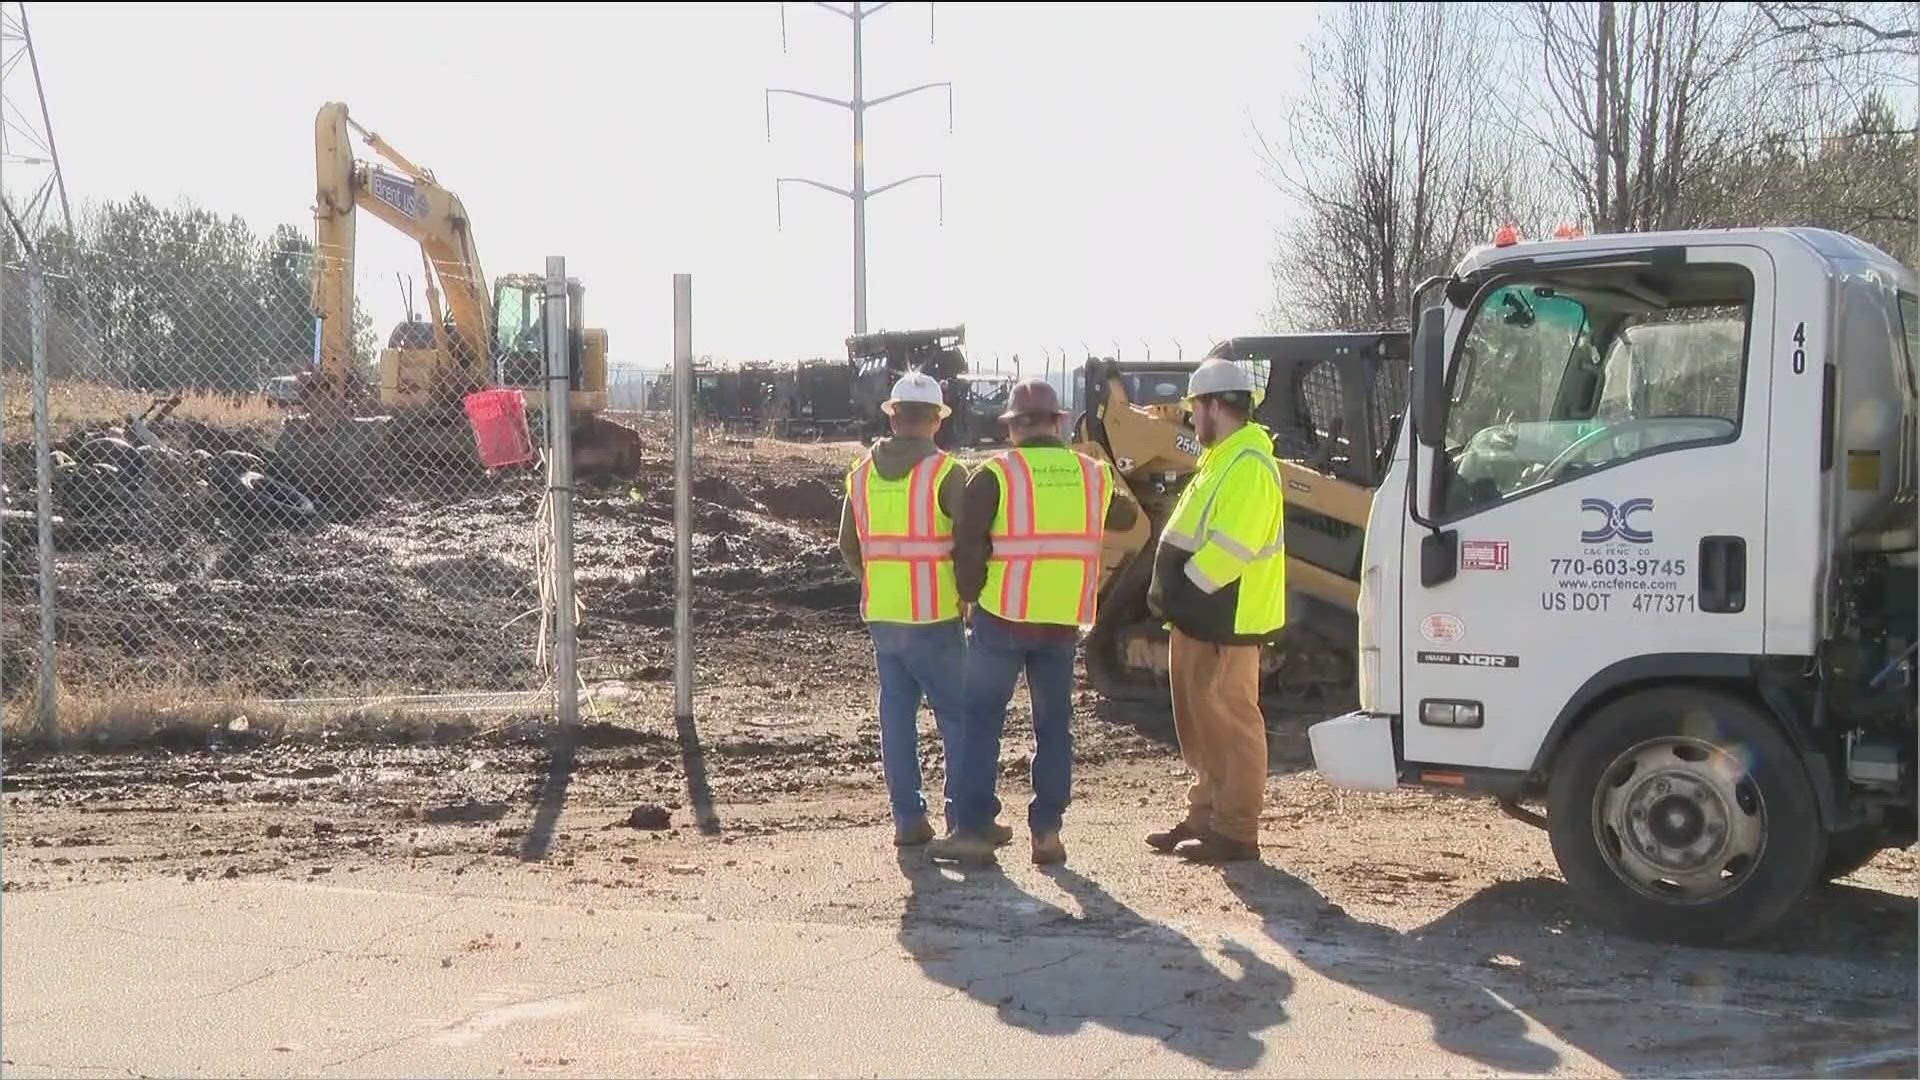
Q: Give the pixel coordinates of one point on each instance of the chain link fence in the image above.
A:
(217, 542)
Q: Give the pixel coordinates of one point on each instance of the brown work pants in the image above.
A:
(1223, 737)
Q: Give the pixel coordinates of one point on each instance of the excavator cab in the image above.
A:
(519, 343)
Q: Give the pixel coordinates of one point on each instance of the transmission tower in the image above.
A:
(29, 159)
(856, 15)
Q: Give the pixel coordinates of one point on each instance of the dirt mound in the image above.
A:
(808, 499)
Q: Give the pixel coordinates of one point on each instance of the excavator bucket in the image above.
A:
(334, 461)
(602, 448)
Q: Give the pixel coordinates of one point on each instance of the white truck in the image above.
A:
(1646, 553)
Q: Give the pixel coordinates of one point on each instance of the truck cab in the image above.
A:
(1645, 553)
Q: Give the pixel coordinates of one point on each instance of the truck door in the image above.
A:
(1604, 480)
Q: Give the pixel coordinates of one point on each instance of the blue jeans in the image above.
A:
(995, 658)
(917, 661)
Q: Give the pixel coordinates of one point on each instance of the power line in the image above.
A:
(857, 105)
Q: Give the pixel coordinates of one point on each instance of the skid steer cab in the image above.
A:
(1648, 557)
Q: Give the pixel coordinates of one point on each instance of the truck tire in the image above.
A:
(1849, 851)
(1685, 815)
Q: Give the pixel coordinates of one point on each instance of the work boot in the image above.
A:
(1048, 849)
(1172, 838)
(963, 847)
(1001, 835)
(912, 833)
(1214, 848)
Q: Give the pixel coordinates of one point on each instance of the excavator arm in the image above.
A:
(407, 198)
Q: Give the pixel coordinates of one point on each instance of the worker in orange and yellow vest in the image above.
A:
(1027, 557)
(896, 533)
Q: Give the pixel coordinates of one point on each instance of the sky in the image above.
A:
(1102, 189)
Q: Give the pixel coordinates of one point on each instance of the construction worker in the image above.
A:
(896, 533)
(1027, 560)
(1220, 579)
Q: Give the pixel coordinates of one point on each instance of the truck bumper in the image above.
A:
(1355, 752)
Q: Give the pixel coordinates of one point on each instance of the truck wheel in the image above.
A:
(1685, 815)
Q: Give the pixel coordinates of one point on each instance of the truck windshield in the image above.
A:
(1556, 379)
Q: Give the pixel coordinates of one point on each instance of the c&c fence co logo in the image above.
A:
(1616, 522)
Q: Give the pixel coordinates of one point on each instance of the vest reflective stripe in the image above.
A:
(906, 550)
(1051, 574)
(1224, 534)
(1180, 538)
(910, 549)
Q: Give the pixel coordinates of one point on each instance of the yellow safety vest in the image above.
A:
(1232, 517)
(906, 543)
(1045, 565)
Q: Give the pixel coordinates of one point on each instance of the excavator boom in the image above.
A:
(427, 368)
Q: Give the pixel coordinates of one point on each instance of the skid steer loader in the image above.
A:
(1332, 402)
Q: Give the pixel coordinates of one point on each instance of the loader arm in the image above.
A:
(412, 202)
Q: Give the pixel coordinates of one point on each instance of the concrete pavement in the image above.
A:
(258, 978)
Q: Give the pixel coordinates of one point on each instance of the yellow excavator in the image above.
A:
(474, 339)
(1332, 404)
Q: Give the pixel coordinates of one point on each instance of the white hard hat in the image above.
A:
(1218, 375)
(917, 386)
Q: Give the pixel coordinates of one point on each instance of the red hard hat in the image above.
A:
(1033, 397)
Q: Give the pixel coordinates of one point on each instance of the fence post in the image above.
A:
(43, 499)
(560, 486)
(682, 497)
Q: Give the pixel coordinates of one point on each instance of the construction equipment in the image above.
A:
(1146, 382)
(1330, 403)
(479, 340)
(1649, 555)
(879, 359)
(814, 399)
(983, 399)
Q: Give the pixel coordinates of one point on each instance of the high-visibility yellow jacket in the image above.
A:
(1220, 574)
(1044, 563)
(906, 542)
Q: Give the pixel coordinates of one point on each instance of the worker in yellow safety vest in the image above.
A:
(1220, 579)
(896, 533)
(1027, 557)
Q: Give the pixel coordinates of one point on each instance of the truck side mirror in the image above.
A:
(1430, 378)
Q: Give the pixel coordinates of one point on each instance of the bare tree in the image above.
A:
(1651, 99)
(1386, 160)
(1859, 51)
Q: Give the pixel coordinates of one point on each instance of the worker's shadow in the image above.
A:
(1520, 951)
(1467, 1019)
(1053, 972)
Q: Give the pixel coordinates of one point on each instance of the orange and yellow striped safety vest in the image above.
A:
(906, 543)
(1046, 534)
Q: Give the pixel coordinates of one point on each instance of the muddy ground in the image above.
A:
(432, 590)
(735, 810)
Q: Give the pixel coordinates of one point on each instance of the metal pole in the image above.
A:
(3, 396)
(683, 497)
(43, 468)
(859, 185)
(560, 487)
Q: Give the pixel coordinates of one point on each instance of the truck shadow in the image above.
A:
(1516, 973)
(1053, 972)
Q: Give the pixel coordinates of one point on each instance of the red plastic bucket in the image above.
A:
(499, 419)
